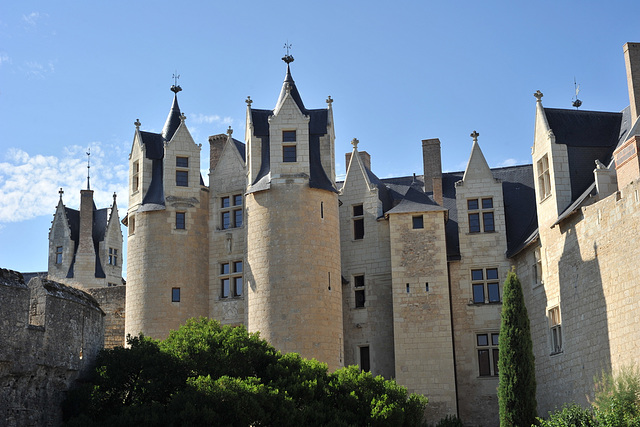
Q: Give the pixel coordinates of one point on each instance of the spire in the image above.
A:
(289, 86)
(477, 166)
(173, 119)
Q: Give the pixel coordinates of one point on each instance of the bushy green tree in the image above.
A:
(206, 374)
(617, 398)
(517, 388)
(570, 415)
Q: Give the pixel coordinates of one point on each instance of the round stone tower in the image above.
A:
(167, 265)
(294, 287)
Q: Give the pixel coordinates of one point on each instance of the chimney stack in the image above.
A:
(432, 168)
(632, 62)
(364, 157)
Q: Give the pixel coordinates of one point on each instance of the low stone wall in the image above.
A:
(112, 302)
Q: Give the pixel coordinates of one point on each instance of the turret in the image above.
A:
(293, 268)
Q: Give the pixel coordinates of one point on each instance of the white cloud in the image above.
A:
(4, 58)
(32, 18)
(210, 118)
(38, 70)
(29, 183)
(507, 162)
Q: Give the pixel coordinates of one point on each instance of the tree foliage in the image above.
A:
(517, 388)
(206, 374)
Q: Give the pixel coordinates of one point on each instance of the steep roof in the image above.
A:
(100, 222)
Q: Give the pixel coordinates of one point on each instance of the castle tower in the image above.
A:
(167, 264)
(293, 246)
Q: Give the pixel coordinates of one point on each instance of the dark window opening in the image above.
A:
(474, 223)
(175, 294)
(288, 136)
(182, 178)
(359, 298)
(418, 222)
(289, 153)
(182, 162)
(180, 220)
(365, 362)
(487, 220)
(58, 254)
(358, 229)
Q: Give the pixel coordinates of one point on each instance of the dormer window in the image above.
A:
(289, 153)
(544, 179)
(288, 136)
(182, 176)
(135, 182)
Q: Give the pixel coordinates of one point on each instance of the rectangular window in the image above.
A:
(113, 256)
(487, 348)
(358, 222)
(358, 284)
(544, 179)
(536, 268)
(485, 286)
(182, 162)
(231, 211)
(289, 153)
(59, 254)
(231, 279)
(175, 294)
(418, 222)
(481, 205)
(132, 225)
(182, 178)
(135, 181)
(180, 220)
(555, 326)
(288, 136)
(365, 362)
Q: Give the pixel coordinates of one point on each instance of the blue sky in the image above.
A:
(75, 75)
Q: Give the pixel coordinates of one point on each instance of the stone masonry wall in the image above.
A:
(50, 335)
(112, 302)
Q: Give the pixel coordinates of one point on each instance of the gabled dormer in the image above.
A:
(290, 142)
(61, 243)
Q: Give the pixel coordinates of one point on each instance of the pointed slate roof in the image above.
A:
(100, 222)
(173, 120)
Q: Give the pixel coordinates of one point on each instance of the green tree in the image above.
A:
(207, 374)
(516, 367)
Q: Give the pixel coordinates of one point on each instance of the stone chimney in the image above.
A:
(85, 263)
(432, 164)
(632, 61)
(364, 156)
(216, 143)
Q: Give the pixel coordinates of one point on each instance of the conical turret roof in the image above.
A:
(288, 81)
(173, 120)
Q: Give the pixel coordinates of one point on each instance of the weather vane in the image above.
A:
(175, 88)
(88, 168)
(576, 103)
(288, 58)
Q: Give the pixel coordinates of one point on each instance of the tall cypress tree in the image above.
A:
(517, 389)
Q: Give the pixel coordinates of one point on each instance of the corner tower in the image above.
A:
(293, 246)
(167, 265)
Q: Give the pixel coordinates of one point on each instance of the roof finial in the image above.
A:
(249, 101)
(229, 131)
(182, 117)
(88, 168)
(576, 103)
(176, 88)
(475, 136)
(538, 95)
(287, 58)
(137, 123)
(329, 100)
(114, 197)
(61, 193)
(355, 142)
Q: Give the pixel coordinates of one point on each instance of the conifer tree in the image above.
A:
(516, 367)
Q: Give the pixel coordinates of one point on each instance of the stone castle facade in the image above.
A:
(402, 276)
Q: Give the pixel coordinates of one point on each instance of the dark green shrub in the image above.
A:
(617, 398)
(571, 415)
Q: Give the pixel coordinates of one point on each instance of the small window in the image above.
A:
(555, 326)
(472, 204)
(487, 203)
(418, 222)
(182, 178)
(231, 214)
(358, 222)
(358, 284)
(231, 280)
(365, 362)
(182, 162)
(135, 182)
(487, 225)
(224, 202)
(58, 254)
(289, 153)
(544, 179)
(485, 286)
(474, 223)
(487, 348)
(132, 225)
(113, 256)
(180, 220)
(175, 294)
(288, 136)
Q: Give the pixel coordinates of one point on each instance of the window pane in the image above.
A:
(226, 220)
(478, 294)
(175, 295)
(418, 222)
(358, 281)
(474, 223)
(492, 273)
(289, 153)
(483, 363)
(482, 339)
(180, 220)
(494, 292)
(237, 218)
(237, 286)
(237, 267)
(182, 178)
(237, 200)
(224, 268)
(487, 219)
(365, 363)
(472, 204)
(360, 298)
(477, 275)
(487, 203)
(358, 229)
(182, 162)
(495, 361)
(495, 339)
(225, 288)
(224, 202)
(358, 210)
(288, 136)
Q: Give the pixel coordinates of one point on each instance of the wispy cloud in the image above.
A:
(39, 70)
(210, 118)
(4, 59)
(507, 162)
(29, 183)
(32, 18)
